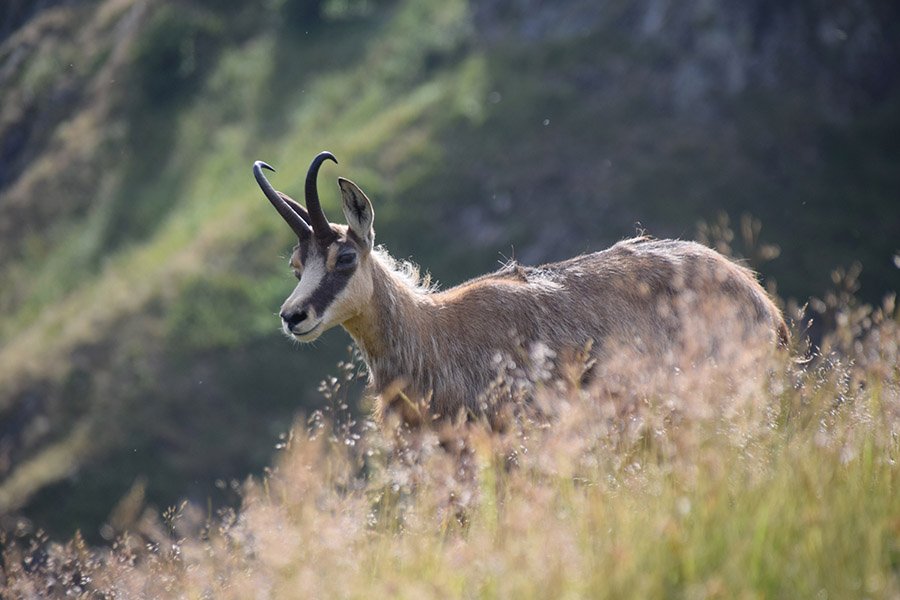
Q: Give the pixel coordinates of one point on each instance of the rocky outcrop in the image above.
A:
(847, 51)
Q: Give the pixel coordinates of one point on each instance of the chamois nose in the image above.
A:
(293, 318)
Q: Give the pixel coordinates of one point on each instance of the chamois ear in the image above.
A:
(357, 211)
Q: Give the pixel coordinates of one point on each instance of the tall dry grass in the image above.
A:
(749, 477)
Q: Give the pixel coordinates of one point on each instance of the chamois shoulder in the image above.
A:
(512, 278)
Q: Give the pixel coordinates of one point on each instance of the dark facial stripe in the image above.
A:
(332, 284)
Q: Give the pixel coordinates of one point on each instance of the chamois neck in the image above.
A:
(390, 327)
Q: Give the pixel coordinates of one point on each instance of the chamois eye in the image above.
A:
(346, 259)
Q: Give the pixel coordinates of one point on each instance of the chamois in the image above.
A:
(444, 349)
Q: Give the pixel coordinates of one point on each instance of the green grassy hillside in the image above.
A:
(141, 268)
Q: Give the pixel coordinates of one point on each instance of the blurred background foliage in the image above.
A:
(141, 269)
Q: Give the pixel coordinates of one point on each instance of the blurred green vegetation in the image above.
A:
(142, 271)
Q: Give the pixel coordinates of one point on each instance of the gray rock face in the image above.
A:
(848, 51)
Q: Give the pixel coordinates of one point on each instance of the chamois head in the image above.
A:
(331, 261)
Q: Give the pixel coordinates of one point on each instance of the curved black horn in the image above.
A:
(319, 222)
(293, 219)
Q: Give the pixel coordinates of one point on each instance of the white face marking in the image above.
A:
(313, 273)
(311, 278)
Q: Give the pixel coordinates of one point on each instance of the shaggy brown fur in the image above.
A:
(643, 296)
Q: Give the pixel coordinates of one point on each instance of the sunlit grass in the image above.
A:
(782, 486)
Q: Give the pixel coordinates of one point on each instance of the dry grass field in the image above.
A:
(701, 483)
